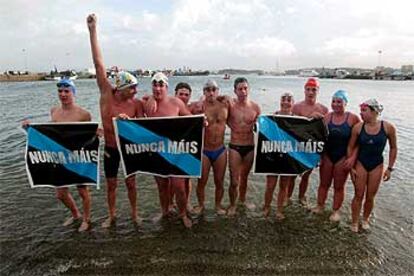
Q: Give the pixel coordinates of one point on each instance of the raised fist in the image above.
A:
(91, 21)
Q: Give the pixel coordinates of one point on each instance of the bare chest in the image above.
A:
(166, 109)
(67, 116)
(128, 108)
(216, 114)
(307, 110)
(243, 115)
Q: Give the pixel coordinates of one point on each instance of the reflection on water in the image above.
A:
(34, 242)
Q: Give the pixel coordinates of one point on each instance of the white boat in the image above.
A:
(306, 73)
(341, 74)
(56, 76)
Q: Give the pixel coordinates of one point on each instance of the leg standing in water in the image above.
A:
(215, 153)
(309, 107)
(334, 167)
(242, 117)
(69, 111)
(286, 104)
(370, 138)
(169, 106)
(113, 102)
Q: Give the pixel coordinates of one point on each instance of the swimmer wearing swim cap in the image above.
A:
(310, 108)
(115, 101)
(335, 164)
(369, 139)
(341, 94)
(67, 83)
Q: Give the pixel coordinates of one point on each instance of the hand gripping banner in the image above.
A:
(62, 154)
(162, 146)
(288, 145)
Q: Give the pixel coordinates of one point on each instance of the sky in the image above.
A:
(208, 34)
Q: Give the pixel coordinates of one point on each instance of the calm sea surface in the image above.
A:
(34, 242)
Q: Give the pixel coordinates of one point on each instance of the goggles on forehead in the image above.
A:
(63, 85)
(160, 83)
(210, 89)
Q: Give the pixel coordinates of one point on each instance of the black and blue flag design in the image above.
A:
(62, 154)
(168, 146)
(288, 145)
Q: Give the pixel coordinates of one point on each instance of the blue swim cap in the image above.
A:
(67, 83)
(341, 94)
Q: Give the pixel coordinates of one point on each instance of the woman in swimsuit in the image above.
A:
(334, 167)
(286, 104)
(370, 137)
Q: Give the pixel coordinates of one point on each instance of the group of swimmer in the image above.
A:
(354, 147)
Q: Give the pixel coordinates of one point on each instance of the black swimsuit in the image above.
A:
(371, 148)
(242, 150)
(338, 139)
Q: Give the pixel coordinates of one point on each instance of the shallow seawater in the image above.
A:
(33, 242)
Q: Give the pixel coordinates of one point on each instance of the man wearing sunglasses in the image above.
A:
(69, 111)
(167, 106)
(310, 108)
(115, 101)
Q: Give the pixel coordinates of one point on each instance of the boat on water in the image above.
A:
(190, 73)
(55, 75)
(341, 74)
(226, 76)
(307, 73)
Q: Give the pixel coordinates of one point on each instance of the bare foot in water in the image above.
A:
(231, 211)
(365, 224)
(266, 211)
(187, 222)
(317, 210)
(69, 221)
(280, 216)
(108, 222)
(137, 220)
(84, 226)
(250, 206)
(355, 227)
(335, 216)
(198, 209)
(220, 210)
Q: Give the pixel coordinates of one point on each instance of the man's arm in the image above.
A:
(258, 110)
(139, 108)
(87, 116)
(296, 109)
(104, 85)
(325, 110)
(182, 108)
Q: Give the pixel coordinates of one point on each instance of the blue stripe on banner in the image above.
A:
(138, 134)
(42, 142)
(271, 130)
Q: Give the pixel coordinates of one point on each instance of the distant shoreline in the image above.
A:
(41, 77)
(22, 78)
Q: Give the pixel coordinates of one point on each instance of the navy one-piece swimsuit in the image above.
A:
(338, 139)
(371, 148)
